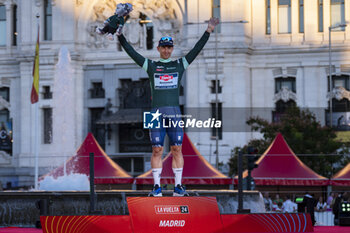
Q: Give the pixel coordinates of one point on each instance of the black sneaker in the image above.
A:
(156, 191)
(180, 191)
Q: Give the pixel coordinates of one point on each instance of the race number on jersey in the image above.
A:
(165, 81)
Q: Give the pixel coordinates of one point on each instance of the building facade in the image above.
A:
(266, 55)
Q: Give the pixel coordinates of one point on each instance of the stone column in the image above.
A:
(8, 5)
(27, 131)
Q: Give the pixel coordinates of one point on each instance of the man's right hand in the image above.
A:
(212, 23)
(119, 30)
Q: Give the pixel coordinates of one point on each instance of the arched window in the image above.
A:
(342, 105)
(286, 83)
(340, 102)
(281, 108)
(339, 81)
(342, 82)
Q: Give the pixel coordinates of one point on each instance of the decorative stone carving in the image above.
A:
(4, 104)
(292, 72)
(285, 95)
(133, 32)
(95, 40)
(161, 12)
(339, 93)
(8, 5)
(38, 3)
(79, 2)
(277, 72)
(211, 67)
(5, 81)
(284, 72)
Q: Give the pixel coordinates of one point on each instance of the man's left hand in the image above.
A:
(212, 23)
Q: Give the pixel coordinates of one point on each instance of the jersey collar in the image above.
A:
(165, 60)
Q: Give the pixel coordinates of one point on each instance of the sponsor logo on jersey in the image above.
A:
(159, 70)
(172, 223)
(160, 67)
(166, 80)
(171, 209)
(171, 68)
(166, 77)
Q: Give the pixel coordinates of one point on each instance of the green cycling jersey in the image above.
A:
(165, 75)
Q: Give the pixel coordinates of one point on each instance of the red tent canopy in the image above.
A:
(342, 178)
(196, 169)
(280, 166)
(106, 170)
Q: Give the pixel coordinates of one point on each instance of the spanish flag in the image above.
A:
(34, 96)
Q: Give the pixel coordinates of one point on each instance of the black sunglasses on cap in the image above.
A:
(166, 41)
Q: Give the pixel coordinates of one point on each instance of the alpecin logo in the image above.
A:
(171, 209)
(165, 77)
(151, 120)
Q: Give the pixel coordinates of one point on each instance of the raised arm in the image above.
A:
(202, 41)
(138, 58)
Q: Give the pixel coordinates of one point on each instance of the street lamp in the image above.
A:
(217, 89)
(330, 28)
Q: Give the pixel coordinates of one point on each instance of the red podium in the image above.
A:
(176, 214)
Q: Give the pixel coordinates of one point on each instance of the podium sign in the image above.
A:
(177, 214)
(174, 214)
(86, 224)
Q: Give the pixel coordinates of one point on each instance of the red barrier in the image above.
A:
(266, 223)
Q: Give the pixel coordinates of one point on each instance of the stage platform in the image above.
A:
(177, 214)
(201, 212)
(317, 229)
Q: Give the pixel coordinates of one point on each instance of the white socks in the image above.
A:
(178, 175)
(156, 175)
(157, 171)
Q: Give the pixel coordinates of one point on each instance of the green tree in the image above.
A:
(314, 144)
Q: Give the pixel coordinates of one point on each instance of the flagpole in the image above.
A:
(36, 133)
